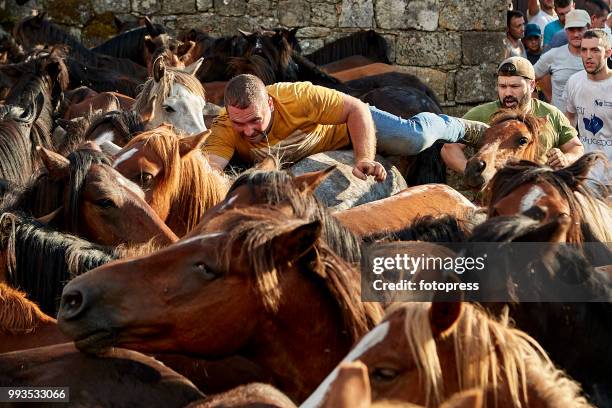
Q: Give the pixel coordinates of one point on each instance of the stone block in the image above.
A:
(260, 8)
(426, 49)
(474, 15)
(310, 45)
(391, 40)
(357, 13)
(406, 14)
(313, 32)
(116, 6)
(70, 12)
(178, 7)
(230, 7)
(323, 14)
(204, 5)
(293, 13)
(482, 47)
(433, 78)
(450, 86)
(476, 84)
(146, 7)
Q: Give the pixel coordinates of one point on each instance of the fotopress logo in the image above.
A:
(481, 272)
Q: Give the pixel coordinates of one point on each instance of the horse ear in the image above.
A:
(150, 44)
(245, 34)
(185, 49)
(308, 182)
(467, 399)
(443, 316)
(193, 67)
(150, 27)
(57, 165)
(269, 163)
(118, 23)
(159, 69)
(148, 114)
(295, 242)
(90, 145)
(47, 219)
(188, 144)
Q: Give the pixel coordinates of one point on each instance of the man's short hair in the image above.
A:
(563, 3)
(596, 8)
(245, 90)
(600, 34)
(513, 14)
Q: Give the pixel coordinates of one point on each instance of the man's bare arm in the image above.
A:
(453, 156)
(566, 154)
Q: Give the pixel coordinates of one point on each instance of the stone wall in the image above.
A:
(453, 45)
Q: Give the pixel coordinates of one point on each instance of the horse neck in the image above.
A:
(302, 342)
(200, 188)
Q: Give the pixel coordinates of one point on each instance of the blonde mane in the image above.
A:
(161, 90)
(194, 185)
(489, 355)
(18, 315)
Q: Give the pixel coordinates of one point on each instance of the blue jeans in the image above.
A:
(407, 137)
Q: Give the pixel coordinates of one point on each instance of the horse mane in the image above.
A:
(197, 187)
(430, 228)
(368, 43)
(41, 261)
(481, 345)
(15, 150)
(18, 315)
(252, 64)
(128, 44)
(161, 90)
(277, 187)
(587, 205)
(533, 123)
(255, 237)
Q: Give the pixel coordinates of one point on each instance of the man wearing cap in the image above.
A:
(563, 62)
(598, 11)
(515, 84)
(533, 42)
(562, 7)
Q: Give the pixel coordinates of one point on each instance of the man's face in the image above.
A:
(598, 21)
(547, 4)
(574, 35)
(514, 91)
(562, 12)
(532, 44)
(251, 122)
(593, 55)
(517, 28)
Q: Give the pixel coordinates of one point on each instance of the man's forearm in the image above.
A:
(574, 153)
(363, 133)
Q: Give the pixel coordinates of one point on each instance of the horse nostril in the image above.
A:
(71, 305)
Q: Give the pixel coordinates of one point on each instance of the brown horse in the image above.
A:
(178, 182)
(256, 283)
(424, 352)
(520, 186)
(512, 135)
(84, 195)
(23, 325)
(118, 378)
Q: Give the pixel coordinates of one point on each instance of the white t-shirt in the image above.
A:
(591, 101)
(541, 19)
(561, 64)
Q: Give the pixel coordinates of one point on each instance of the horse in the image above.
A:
(368, 43)
(178, 182)
(23, 325)
(513, 134)
(172, 96)
(17, 162)
(521, 185)
(423, 352)
(119, 377)
(249, 260)
(84, 195)
(104, 101)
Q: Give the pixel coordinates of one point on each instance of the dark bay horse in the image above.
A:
(119, 378)
(176, 177)
(16, 160)
(84, 195)
(231, 290)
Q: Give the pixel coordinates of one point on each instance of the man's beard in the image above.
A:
(520, 103)
(597, 69)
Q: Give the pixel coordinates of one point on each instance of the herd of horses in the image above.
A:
(134, 273)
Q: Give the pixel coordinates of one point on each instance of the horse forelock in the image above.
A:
(256, 236)
(162, 89)
(488, 354)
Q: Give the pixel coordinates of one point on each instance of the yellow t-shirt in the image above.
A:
(302, 125)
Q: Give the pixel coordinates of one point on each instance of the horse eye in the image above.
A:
(105, 203)
(384, 374)
(145, 180)
(523, 141)
(200, 268)
(169, 108)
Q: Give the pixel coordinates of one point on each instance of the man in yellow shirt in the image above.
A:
(296, 120)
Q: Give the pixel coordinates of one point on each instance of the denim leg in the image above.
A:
(407, 137)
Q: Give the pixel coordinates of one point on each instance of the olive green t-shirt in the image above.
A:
(557, 131)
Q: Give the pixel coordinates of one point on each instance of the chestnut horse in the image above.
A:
(178, 182)
(256, 283)
(424, 352)
(520, 186)
(84, 195)
(23, 325)
(512, 135)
